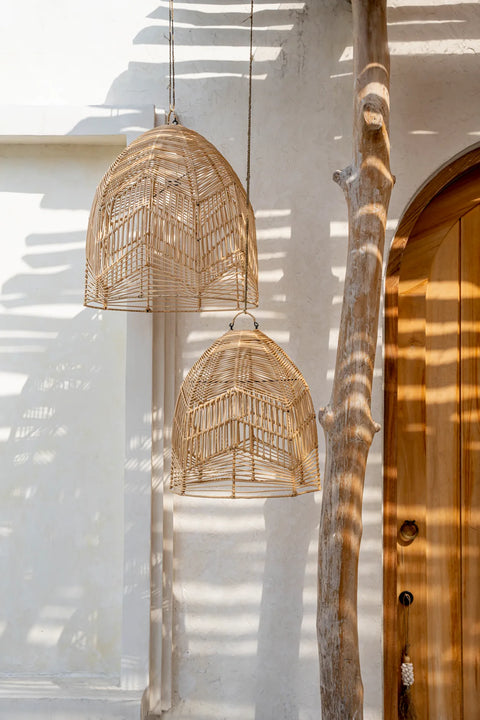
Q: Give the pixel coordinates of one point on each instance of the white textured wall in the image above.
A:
(245, 583)
(62, 378)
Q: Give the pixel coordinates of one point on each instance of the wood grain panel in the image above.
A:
(419, 255)
(453, 202)
(470, 459)
(411, 559)
(440, 643)
(391, 670)
(462, 168)
(413, 335)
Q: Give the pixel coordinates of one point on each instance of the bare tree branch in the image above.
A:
(347, 421)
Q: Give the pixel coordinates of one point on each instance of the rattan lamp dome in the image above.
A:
(170, 229)
(244, 423)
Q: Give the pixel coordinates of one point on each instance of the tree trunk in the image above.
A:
(347, 421)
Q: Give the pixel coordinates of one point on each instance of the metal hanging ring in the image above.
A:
(175, 120)
(243, 312)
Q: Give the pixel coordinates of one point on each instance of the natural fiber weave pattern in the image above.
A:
(167, 229)
(244, 423)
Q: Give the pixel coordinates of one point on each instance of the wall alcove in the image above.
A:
(432, 444)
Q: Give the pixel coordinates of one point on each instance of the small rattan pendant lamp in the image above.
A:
(244, 424)
(170, 226)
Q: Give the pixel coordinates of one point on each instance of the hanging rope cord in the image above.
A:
(406, 708)
(171, 66)
(406, 618)
(249, 153)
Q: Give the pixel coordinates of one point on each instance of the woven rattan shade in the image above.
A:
(167, 229)
(244, 423)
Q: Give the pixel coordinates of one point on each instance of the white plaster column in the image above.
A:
(161, 561)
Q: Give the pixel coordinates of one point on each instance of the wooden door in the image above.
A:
(438, 457)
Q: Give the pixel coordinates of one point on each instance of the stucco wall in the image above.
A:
(245, 572)
(62, 500)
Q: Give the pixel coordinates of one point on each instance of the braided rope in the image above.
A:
(171, 65)
(249, 151)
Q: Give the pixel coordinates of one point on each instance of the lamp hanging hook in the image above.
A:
(172, 117)
(244, 312)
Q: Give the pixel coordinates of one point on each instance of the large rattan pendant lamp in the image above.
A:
(170, 227)
(244, 424)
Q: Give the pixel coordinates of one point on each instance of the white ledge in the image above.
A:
(92, 124)
(67, 687)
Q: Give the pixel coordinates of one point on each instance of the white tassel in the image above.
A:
(407, 674)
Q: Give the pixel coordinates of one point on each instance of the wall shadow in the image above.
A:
(60, 611)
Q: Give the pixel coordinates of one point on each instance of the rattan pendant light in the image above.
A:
(170, 227)
(244, 423)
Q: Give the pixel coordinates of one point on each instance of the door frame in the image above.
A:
(467, 160)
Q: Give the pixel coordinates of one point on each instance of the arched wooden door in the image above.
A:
(435, 464)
